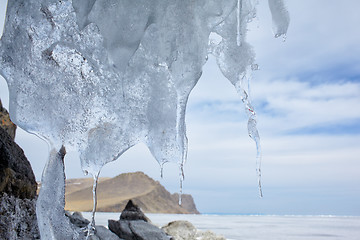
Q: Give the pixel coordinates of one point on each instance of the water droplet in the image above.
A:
(254, 67)
(281, 34)
(162, 170)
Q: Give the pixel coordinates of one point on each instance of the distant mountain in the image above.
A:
(114, 193)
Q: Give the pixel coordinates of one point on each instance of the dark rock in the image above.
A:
(133, 212)
(121, 228)
(16, 176)
(105, 234)
(6, 123)
(137, 230)
(102, 233)
(17, 187)
(134, 225)
(77, 219)
(17, 218)
(146, 231)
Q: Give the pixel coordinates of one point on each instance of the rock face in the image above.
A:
(187, 202)
(17, 218)
(114, 193)
(6, 123)
(17, 192)
(16, 176)
(134, 225)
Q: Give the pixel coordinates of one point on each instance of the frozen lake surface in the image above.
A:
(237, 227)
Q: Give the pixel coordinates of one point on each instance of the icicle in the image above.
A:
(162, 170)
(243, 88)
(258, 165)
(280, 17)
(118, 88)
(239, 35)
(51, 200)
(181, 138)
(254, 134)
(91, 226)
(182, 177)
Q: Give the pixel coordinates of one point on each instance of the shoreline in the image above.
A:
(256, 227)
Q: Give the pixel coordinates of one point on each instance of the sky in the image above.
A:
(307, 98)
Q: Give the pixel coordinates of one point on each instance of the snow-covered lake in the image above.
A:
(237, 227)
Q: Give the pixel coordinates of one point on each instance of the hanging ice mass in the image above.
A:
(99, 76)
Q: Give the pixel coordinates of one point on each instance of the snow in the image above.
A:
(100, 76)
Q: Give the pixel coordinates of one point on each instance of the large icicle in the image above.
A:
(100, 76)
(53, 224)
(238, 16)
(280, 17)
(243, 88)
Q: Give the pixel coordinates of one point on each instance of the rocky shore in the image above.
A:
(134, 225)
(17, 188)
(18, 203)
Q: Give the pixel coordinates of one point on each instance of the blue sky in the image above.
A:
(307, 97)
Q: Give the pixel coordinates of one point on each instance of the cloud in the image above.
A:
(297, 105)
(321, 35)
(307, 98)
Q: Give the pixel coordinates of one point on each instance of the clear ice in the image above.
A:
(53, 224)
(99, 76)
(280, 17)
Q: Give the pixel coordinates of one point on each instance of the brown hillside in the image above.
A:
(74, 185)
(114, 193)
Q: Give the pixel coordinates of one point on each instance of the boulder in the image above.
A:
(180, 230)
(121, 228)
(133, 212)
(102, 233)
(77, 219)
(184, 230)
(105, 234)
(146, 231)
(137, 230)
(134, 225)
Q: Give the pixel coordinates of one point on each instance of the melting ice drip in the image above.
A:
(99, 76)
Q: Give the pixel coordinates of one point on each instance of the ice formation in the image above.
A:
(53, 224)
(100, 76)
